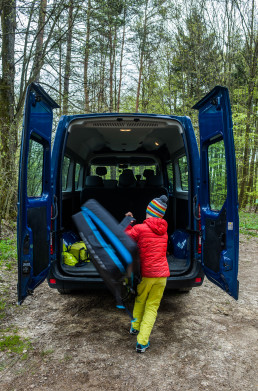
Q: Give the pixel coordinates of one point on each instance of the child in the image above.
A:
(151, 237)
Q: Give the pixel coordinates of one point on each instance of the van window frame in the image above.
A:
(80, 176)
(74, 160)
(177, 173)
(209, 165)
(69, 176)
(37, 139)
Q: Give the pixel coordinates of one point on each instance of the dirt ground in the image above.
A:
(203, 340)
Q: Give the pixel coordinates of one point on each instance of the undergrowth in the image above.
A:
(248, 223)
(8, 253)
(10, 341)
(14, 344)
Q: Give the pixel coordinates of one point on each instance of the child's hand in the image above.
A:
(129, 214)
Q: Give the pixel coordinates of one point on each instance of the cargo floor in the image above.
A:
(176, 267)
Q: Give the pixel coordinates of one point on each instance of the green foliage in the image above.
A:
(8, 253)
(183, 49)
(7, 263)
(248, 223)
(2, 308)
(15, 344)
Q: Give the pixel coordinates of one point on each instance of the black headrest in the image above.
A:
(155, 181)
(101, 170)
(93, 181)
(147, 173)
(127, 179)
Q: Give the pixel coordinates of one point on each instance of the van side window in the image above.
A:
(77, 176)
(183, 170)
(217, 175)
(65, 172)
(170, 177)
(35, 169)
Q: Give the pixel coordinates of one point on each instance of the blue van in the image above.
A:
(123, 161)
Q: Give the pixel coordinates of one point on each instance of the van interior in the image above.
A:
(123, 163)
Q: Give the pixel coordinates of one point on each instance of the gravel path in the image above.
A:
(203, 340)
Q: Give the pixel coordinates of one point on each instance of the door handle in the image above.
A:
(54, 208)
(194, 208)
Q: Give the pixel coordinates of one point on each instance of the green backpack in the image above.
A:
(75, 254)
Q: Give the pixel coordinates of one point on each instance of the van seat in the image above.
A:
(127, 179)
(126, 196)
(110, 183)
(93, 185)
(93, 181)
(154, 181)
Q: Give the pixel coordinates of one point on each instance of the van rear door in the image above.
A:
(34, 194)
(218, 191)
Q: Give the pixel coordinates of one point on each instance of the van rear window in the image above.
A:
(77, 175)
(113, 172)
(35, 169)
(65, 171)
(183, 169)
(217, 175)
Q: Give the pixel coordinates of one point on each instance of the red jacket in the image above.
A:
(152, 238)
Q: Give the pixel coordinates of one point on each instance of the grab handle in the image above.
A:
(198, 218)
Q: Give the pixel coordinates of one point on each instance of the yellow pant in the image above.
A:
(149, 295)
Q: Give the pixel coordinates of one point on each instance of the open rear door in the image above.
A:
(34, 194)
(218, 191)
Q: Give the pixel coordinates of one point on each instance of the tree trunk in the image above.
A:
(86, 60)
(39, 41)
(60, 57)
(121, 64)
(142, 51)
(101, 98)
(8, 133)
(112, 55)
(25, 49)
(252, 59)
(67, 72)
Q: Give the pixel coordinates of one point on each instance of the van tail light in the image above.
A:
(51, 236)
(199, 244)
(198, 279)
(52, 281)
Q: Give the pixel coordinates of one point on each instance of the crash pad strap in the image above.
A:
(111, 236)
(103, 243)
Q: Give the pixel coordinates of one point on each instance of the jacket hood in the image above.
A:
(157, 225)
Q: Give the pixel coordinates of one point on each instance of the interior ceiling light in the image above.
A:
(156, 143)
(125, 130)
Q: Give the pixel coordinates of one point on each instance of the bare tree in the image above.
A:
(251, 62)
(86, 58)
(67, 71)
(8, 131)
(39, 40)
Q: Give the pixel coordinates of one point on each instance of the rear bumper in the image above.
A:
(58, 280)
(193, 279)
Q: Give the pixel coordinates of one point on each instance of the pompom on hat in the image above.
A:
(157, 207)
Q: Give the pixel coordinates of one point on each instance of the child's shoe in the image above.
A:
(142, 348)
(133, 331)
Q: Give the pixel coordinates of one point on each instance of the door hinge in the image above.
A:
(26, 268)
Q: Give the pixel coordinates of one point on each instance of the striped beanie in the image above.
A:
(157, 207)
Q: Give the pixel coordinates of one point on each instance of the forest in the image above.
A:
(155, 56)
